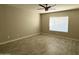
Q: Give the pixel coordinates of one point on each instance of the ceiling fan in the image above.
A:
(46, 7)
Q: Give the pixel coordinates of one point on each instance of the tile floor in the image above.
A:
(41, 45)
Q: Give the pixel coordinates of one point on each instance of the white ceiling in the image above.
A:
(58, 7)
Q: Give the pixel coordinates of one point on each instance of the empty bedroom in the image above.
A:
(39, 29)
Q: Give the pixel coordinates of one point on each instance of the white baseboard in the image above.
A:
(62, 36)
(19, 38)
(31, 36)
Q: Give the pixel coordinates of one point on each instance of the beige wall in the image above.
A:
(17, 22)
(73, 23)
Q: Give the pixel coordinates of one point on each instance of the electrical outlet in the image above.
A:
(8, 36)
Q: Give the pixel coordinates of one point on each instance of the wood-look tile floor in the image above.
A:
(41, 45)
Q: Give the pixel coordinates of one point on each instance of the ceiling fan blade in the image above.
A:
(49, 6)
(46, 7)
(41, 5)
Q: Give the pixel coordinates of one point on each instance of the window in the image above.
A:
(58, 24)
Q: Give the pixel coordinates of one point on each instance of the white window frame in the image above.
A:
(56, 24)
